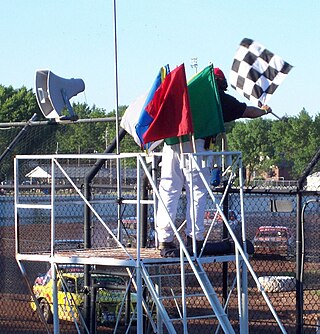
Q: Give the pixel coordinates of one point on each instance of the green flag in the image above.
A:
(205, 106)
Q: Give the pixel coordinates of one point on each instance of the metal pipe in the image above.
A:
(116, 71)
(299, 287)
(308, 170)
(54, 122)
(87, 221)
(18, 137)
(225, 206)
(144, 207)
(93, 310)
(300, 262)
(144, 213)
(299, 241)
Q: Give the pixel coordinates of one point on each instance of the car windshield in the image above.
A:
(272, 234)
(103, 281)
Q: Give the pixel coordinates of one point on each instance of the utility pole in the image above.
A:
(194, 63)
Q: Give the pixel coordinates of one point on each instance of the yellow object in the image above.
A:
(70, 289)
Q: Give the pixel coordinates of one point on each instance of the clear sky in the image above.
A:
(75, 39)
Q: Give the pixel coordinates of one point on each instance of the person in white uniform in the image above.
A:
(174, 178)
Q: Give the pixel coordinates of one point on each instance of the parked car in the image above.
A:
(70, 287)
(273, 240)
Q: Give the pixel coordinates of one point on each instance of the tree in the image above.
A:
(251, 138)
(297, 140)
(17, 105)
(264, 143)
(128, 144)
(82, 137)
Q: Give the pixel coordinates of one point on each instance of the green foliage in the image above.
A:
(296, 141)
(127, 145)
(17, 105)
(251, 138)
(80, 137)
(265, 143)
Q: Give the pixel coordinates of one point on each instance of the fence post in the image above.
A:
(225, 234)
(299, 278)
(299, 284)
(87, 226)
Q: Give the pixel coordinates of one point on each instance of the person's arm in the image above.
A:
(255, 112)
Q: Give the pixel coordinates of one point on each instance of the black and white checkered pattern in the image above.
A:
(256, 72)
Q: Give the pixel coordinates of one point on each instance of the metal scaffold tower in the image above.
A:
(164, 291)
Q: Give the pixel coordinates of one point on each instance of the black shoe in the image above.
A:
(166, 245)
(168, 249)
(199, 245)
(170, 252)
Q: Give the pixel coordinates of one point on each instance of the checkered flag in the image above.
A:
(256, 72)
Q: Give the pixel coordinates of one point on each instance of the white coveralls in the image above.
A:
(173, 178)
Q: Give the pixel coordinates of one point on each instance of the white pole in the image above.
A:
(116, 72)
(119, 236)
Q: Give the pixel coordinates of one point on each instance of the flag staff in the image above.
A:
(193, 142)
(182, 157)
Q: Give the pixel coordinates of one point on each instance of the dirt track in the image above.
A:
(17, 317)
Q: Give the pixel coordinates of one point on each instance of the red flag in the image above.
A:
(170, 108)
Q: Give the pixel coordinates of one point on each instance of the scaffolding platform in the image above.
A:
(146, 269)
(111, 257)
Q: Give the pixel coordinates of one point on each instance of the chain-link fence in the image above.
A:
(281, 222)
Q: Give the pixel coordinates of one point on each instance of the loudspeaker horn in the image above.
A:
(53, 94)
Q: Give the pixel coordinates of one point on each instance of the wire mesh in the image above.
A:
(273, 264)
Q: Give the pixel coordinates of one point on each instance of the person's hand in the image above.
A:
(267, 109)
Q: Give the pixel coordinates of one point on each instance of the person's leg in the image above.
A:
(199, 193)
(170, 187)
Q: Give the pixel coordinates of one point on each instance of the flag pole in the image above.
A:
(182, 157)
(224, 148)
(193, 142)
